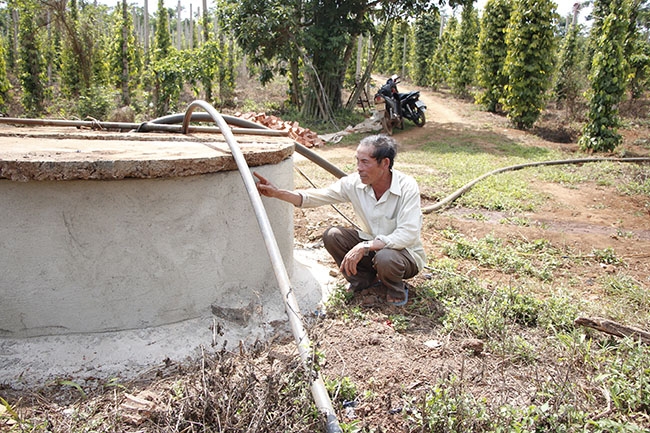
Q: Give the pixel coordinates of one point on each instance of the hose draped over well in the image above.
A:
(171, 123)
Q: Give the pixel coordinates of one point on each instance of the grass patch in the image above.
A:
(442, 167)
(534, 259)
(574, 372)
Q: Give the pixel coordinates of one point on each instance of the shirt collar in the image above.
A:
(394, 188)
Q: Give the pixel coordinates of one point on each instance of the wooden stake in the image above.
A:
(614, 328)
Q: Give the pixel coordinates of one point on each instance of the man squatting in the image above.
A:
(387, 249)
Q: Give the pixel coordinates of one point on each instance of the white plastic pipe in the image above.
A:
(319, 393)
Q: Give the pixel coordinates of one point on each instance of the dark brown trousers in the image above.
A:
(390, 266)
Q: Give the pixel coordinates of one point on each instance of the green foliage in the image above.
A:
(205, 63)
(569, 82)
(72, 79)
(95, 103)
(5, 85)
(624, 288)
(463, 59)
(639, 75)
(31, 62)
(523, 258)
(529, 61)
(607, 82)
(162, 40)
(341, 390)
(606, 256)
(83, 60)
(383, 64)
(427, 31)
(492, 52)
(637, 48)
(441, 64)
(226, 71)
(446, 408)
(627, 377)
(168, 75)
(124, 61)
(397, 47)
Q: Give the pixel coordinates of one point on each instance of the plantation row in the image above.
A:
(519, 56)
(75, 58)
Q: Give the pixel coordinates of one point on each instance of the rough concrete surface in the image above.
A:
(31, 362)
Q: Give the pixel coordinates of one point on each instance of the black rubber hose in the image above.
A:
(173, 119)
(462, 190)
(243, 123)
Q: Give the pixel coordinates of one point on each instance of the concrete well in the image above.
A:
(131, 248)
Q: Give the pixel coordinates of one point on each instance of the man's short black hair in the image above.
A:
(383, 147)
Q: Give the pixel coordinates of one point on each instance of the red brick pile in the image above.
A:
(304, 136)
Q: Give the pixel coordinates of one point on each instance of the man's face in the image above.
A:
(369, 169)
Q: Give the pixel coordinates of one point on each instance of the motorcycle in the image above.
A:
(399, 106)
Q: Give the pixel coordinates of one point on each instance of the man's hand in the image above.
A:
(266, 188)
(351, 259)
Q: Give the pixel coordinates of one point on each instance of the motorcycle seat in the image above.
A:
(403, 96)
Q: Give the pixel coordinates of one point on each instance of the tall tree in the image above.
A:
(492, 52)
(427, 31)
(397, 47)
(72, 78)
(163, 39)
(637, 48)
(269, 32)
(321, 32)
(30, 61)
(441, 67)
(569, 76)
(83, 61)
(384, 64)
(529, 61)
(123, 54)
(463, 64)
(5, 85)
(167, 66)
(607, 81)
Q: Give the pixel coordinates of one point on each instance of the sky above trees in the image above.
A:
(153, 5)
(564, 8)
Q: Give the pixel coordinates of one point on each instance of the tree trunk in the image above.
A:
(146, 27)
(207, 84)
(126, 95)
(296, 88)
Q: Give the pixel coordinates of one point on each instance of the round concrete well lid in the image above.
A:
(49, 153)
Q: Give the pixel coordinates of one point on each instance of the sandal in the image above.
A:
(402, 302)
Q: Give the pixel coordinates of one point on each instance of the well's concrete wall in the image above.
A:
(83, 256)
